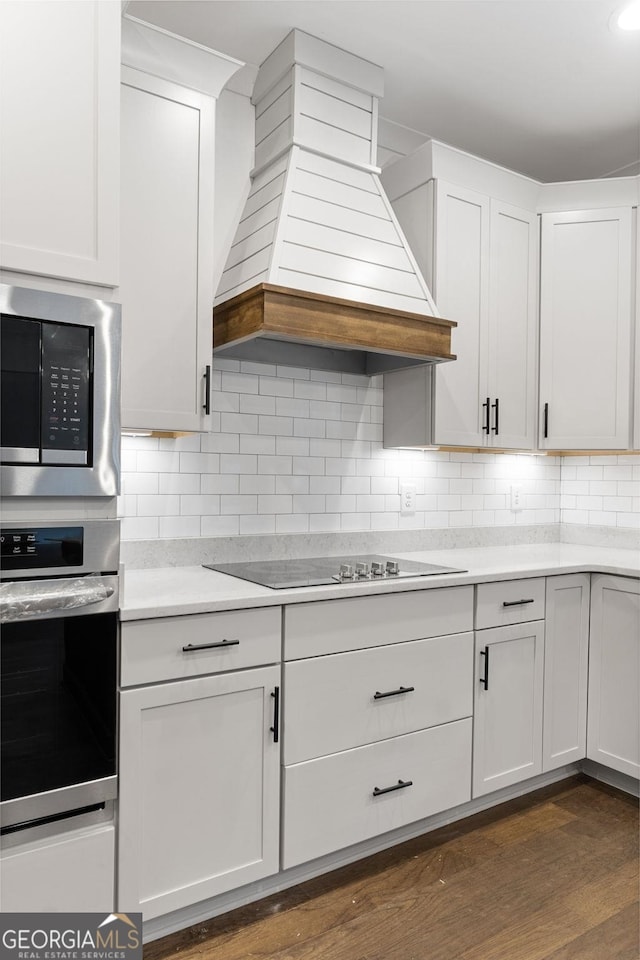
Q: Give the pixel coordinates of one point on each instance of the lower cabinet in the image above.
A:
(613, 733)
(70, 872)
(566, 660)
(199, 794)
(377, 713)
(335, 801)
(507, 739)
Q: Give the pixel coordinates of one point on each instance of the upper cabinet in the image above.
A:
(485, 278)
(585, 329)
(474, 230)
(59, 159)
(479, 254)
(167, 249)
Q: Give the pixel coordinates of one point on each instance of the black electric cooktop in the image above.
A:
(316, 571)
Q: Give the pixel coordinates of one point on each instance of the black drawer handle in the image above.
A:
(400, 785)
(517, 603)
(190, 647)
(392, 693)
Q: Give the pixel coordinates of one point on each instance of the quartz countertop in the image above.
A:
(175, 591)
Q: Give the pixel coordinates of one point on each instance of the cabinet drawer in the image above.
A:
(338, 702)
(334, 626)
(509, 601)
(152, 650)
(330, 803)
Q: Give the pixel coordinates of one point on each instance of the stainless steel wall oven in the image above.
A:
(58, 686)
(59, 413)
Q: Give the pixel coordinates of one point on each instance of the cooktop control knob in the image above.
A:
(346, 571)
(362, 569)
(377, 569)
(393, 567)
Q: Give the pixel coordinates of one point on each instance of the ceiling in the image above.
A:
(544, 87)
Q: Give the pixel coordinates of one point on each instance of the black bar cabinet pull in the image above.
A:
(400, 785)
(485, 680)
(207, 390)
(392, 693)
(546, 420)
(275, 729)
(496, 406)
(516, 603)
(190, 647)
(486, 407)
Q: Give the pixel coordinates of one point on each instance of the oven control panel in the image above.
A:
(41, 547)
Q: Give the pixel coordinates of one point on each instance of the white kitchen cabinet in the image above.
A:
(375, 694)
(335, 801)
(199, 789)
(59, 150)
(199, 757)
(71, 872)
(585, 330)
(509, 677)
(566, 656)
(484, 276)
(167, 252)
(377, 714)
(613, 731)
(507, 736)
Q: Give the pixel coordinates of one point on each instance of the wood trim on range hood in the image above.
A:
(274, 324)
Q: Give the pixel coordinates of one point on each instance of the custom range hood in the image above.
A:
(319, 273)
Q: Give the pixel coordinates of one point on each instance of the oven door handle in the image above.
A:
(49, 598)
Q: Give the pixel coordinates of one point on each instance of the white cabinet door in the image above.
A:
(461, 291)
(513, 327)
(613, 730)
(566, 655)
(507, 733)
(167, 253)
(585, 330)
(59, 150)
(199, 789)
(484, 273)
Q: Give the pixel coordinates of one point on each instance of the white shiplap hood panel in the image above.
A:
(317, 218)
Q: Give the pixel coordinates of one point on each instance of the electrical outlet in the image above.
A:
(516, 497)
(407, 498)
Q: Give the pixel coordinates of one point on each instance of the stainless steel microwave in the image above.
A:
(59, 393)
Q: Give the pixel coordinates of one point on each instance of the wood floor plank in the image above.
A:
(528, 880)
(617, 937)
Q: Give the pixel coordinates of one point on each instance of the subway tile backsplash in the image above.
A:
(300, 451)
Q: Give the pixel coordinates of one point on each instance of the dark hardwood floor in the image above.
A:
(551, 876)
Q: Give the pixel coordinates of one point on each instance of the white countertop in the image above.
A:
(173, 591)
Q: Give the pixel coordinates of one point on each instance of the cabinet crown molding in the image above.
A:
(163, 54)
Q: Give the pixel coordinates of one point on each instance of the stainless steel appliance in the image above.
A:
(316, 571)
(58, 687)
(60, 383)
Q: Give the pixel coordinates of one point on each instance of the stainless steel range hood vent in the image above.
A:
(319, 273)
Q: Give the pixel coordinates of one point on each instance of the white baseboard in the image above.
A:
(611, 777)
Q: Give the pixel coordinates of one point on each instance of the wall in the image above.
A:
(297, 451)
(300, 451)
